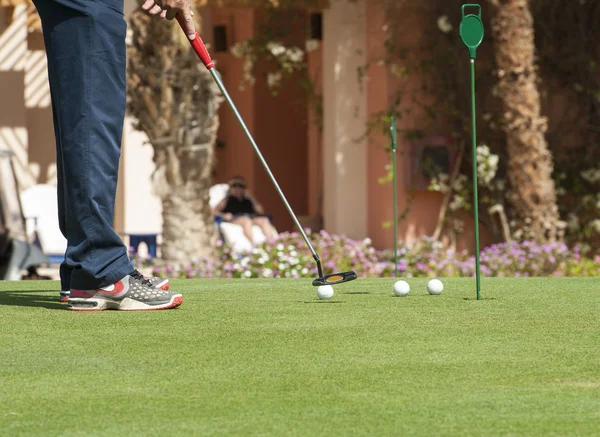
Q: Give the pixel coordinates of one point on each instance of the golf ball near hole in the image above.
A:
(401, 288)
(435, 286)
(325, 292)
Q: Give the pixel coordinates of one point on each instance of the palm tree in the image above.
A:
(175, 102)
(530, 163)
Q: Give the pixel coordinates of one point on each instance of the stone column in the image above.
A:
(344, 156)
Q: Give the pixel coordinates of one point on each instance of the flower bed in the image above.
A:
(288, 257)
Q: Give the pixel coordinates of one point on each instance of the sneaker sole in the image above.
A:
(100, 304)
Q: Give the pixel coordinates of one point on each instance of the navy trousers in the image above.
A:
(85, 45)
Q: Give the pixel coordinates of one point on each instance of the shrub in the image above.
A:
(426, 258)
(288, 257)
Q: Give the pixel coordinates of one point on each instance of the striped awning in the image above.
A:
(13, 2)
(301, 4)
(312, 4)
(33, 20)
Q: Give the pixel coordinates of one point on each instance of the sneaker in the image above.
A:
(131, 293)
(162, 283)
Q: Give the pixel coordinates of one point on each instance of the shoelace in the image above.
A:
(137, 275)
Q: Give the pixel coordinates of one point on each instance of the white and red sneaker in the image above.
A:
(132, 293)
(162, 283)
(64, 295)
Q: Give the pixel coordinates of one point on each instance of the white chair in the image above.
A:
(231, 233)
(41, 214)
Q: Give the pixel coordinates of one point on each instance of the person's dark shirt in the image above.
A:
(236, 206)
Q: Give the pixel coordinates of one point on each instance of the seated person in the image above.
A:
(241, 208)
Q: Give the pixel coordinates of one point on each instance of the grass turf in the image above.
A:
(265, 357)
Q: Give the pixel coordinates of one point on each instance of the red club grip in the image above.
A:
(197, 44)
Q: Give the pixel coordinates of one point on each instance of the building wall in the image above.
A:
(424, 206)
(137, 209)
(382, 87)
(334, 175)
(14, 133)
(278, 124)
(38, 108)
(235, 156)
(345, 204)
(315, 139)
(26, 127)
(282, 134)
(336, 172)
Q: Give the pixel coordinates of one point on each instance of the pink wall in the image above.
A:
(378, 91)
(290, 143)
(424, 211)
(282, 136)
(236, 158)
(283, 130)
(315, 138)
(278, 124)
(40, 127)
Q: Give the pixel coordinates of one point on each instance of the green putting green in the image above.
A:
(266, 357)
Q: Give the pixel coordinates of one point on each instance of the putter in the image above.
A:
(202, 52)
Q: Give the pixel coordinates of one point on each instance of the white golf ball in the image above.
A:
(401, 288)
(435, 286)
(325, 292)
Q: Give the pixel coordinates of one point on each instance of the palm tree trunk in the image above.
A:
(530, 162)
(186, 232)
(176, 102)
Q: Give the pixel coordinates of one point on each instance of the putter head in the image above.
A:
(335, 278)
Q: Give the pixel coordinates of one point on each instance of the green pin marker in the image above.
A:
(394, 135)
(471, 34)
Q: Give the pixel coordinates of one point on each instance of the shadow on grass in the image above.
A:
(356, 292)
(22, 298)
(475, 299)
(325, 302)
(413, 295)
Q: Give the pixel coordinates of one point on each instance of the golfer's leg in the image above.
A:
(65, 270)
(86, 58)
